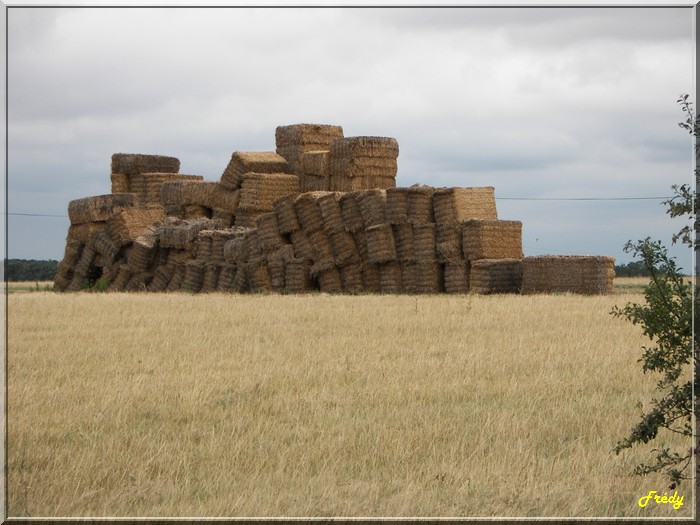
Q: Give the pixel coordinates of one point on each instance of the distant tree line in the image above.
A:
(30, 270)
(633, 269)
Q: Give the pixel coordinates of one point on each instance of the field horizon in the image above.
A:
(173, 405)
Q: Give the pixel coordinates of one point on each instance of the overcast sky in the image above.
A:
(541, 103)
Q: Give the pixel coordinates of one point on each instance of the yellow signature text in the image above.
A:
(675, 499)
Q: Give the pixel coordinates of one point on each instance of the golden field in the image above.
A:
(317, 405)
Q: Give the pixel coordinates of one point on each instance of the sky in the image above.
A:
(543, 104)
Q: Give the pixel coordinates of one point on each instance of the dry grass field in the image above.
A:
(267, 405)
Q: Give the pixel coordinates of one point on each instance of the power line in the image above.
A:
(36, 214)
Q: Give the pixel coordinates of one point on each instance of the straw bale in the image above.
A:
(405, 245)
(302, 245)
(202, 245)
(494, 276)
(258, 276)
(461, 204)
(287, 220)
(194, 276)
(360, 183)
(315, 163)
(390, 279)
(240, 280)
(371, 278)
(386, 147)
(161, 278)
(246, 218)
(269, 235)
(297, 277)
(143, 251)
(361, 243)
(319, 134)
(179, 190)
(253, 244)
(313, 183)
(330, 212)
(321, 246)
(175, 210)
(276, 268)
(362, 167)
(119, 282)
(351, 278)
(260, 190)
(226, 218)
(226, 277)
(120, 182)
(82, 267)
(448, 242)
(224, 199)
(397, 205)
(180, 234)
(381, 247)
(236, 250)
(61, 281)
(131, 163)
(456, 276)
(588, 275)
(350, 211)
(178, 277)
(329, 281)
(420, 204)
(429, 278)
(102, 243)
(373, 207)
(126, 225)
(98, 208)
(308, 212)
(211, 277)
(424, 242)
(193, 211)
(175, 256)
(344, 248)
(492, 239)
(138, 282)
(83, 232)
(409, 270)
(219, 240)
(243, 162)
(318, 267)
(71, 253)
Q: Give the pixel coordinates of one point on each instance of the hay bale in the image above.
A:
(495, 276)
(240, 281)
(321, 246)
(277, 269)
(82, 267)
(429, 278)
(101, 242)
(344, 248)
(448, 242)
(587, 275)
(390, 278)
(397, 205)
(143, 250)
(133, 163)
(297, 277)
(405, 245)
(177, 191)
(226, 276)
(243, 162)
(350, 211)
(98, 208)
(258, 276)
(329, 281)
(371, 278)
(181, 234)
(193, 211)
(315, 163)
(420, 204)
(351, 278)
(345, 184)
(119, 283)
(492, 239)
(83, 232)
(174, 210)
(308, 212)
(161, 278)
(360, 238)
(381, 247)
(294, 140)
(372, 147)
(211, 277)
(202, 245)
(120, 182)
(409, 272)
(461, 204)
(126, 225)
(456, 277)
(246, 218)
(372, 207)
(176, 281)
(138, 282)
(226, 218)
(287, 220)
(260, 190)
(218, 242)
(194, 276)
(302, 245)
(269, 235)
(424, 242)
(331, 214)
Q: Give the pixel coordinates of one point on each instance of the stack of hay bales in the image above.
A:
(259, 191)
(360, 163)
(243, 162)
(294, 140)
(588, 275)
(142, 175)
(90, 251)
(199, 199)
